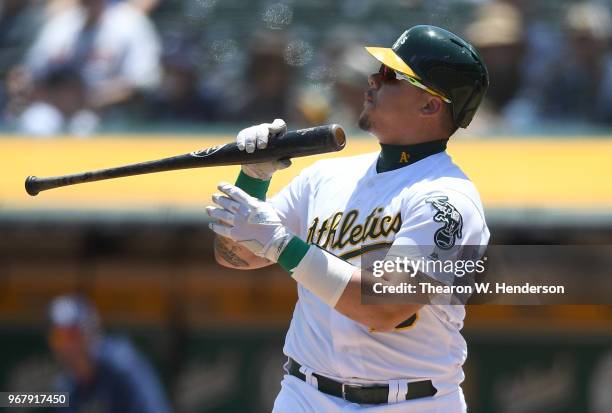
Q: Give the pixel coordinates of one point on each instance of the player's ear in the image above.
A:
(431, 105)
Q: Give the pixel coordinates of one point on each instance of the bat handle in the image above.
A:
(31, 185)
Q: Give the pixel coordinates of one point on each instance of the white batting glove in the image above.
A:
(257, 137)
(249, 222)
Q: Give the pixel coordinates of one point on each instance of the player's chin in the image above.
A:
(365, 121)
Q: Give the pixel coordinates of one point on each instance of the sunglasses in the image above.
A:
(386, 73)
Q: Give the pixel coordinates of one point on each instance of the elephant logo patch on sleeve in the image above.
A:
(447, 214)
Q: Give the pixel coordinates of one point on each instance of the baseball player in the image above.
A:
(344, 355)
(101, 372)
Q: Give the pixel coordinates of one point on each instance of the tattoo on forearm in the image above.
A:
(229, 252)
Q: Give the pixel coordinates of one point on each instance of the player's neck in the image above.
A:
(396, 156)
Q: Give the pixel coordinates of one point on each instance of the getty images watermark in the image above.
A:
(499, 274)
(459, 268)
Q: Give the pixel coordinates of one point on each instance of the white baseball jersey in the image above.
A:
(343, 205)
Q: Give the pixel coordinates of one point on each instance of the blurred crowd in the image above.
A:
(78, 67)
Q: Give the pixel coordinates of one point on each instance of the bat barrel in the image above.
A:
(339, 135)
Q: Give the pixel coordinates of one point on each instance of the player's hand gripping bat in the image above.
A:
(293, 144)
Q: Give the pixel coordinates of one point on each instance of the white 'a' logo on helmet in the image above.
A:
(401, 40)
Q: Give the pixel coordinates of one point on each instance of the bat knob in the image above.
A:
(30, 185)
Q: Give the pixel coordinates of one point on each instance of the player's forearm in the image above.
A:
(338, 284)
(232, 255)
(378, 317)
(254, 180)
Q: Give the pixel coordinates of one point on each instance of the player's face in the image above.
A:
(70, 346)
(391, 106)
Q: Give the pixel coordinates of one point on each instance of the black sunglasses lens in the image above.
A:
(386, 73)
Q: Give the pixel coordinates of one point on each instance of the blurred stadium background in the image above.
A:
(144, 79)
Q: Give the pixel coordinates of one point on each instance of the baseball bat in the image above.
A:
(293, 144)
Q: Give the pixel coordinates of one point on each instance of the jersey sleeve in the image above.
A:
(441, 226)
(292, 202)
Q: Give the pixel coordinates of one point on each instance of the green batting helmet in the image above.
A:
(443, 62)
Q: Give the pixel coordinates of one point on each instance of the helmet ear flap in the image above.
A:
(465, 115)
(466, 119)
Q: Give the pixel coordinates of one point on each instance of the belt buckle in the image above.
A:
(344, 389)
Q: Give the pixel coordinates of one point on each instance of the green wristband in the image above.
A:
(253, 186)
(293, 253)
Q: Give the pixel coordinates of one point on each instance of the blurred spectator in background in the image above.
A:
(550, 62)
(182, 96)
(268, 88)
(103, 374)
(114, 46)
(579, 85)
(498, 34)
(58, 106)
(146, 6)
(541, 79)
(17, 18)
